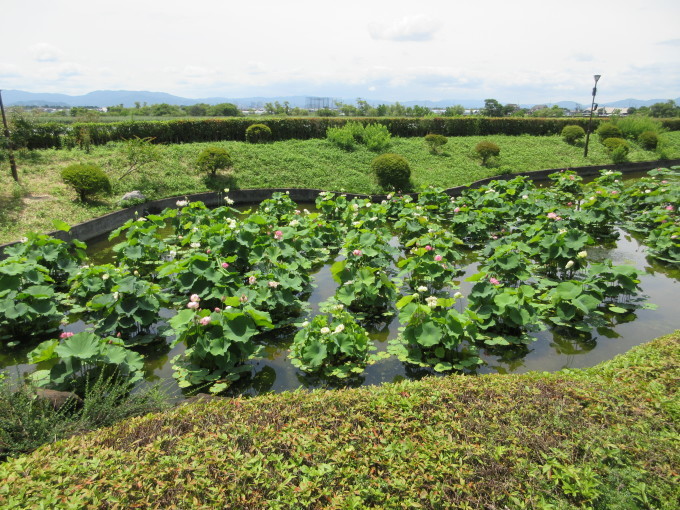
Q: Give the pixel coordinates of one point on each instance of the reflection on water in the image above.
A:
(553, 349)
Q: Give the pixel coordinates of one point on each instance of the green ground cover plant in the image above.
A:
(42, 196)
(603, 438)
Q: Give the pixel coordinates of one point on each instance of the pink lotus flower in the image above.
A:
(272, 284)
(278, 235)
(217, 309)
(207, 251)
(66, 334)
(569, 203)
(225, 265)
(193, 305)
(669, 208)
(252, 280)
(429, 248)
(493, 281)
(357, 253)
(456, 210)
(205, 321)
(614, 192)
(438, 258)
(552, 216)
(571, 177)
(194, 298)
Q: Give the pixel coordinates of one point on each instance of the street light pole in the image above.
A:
(590, 120)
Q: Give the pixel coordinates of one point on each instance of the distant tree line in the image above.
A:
(492, 108)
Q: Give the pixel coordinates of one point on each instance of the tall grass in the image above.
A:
(27, 422)
(633, 126)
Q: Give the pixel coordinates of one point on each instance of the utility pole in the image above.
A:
(12, 163)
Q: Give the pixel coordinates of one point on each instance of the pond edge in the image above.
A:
(94, 228)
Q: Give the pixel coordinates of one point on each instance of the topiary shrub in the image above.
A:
(486, 150)
(618, 149)
(434, 142)
(612, 144)
(572, 134)
(258, 133)
(86, 180)
(392, 171)
(212, 159)
(648, 140)
(608, 130)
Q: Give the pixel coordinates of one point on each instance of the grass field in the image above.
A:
(605, 438)
(42, 196)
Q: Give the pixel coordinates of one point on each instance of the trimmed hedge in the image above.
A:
(300, 128)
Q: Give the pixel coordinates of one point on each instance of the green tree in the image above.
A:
(665, 110)
(165, 110)
(225, 110)
(492, 108)
(454, 111)
(198, 110)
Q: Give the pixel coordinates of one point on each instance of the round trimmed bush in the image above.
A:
(573, 134)
(393, 172)
(608, 130)
(86, 179)
(648, 140)
(435, 141)
(212, 159)
(258, 133)
(611, 144)
(486, 150)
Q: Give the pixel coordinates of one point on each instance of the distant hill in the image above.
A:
(128, 98)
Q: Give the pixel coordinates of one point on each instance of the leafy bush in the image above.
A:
(258, 133)
(648, 140)
(86, 179)
(342, 137)
(633, 126)
(376, 137)
(435, 141)
(393, 172)
(573, 134)
(486, 150)
(212, 159)
(608, 130)
(612, 144)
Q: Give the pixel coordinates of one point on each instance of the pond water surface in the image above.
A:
(553, 350)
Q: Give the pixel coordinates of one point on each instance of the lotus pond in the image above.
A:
(507, 277)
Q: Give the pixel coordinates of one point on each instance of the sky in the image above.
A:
(522, 51)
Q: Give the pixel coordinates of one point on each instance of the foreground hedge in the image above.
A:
(605, 437)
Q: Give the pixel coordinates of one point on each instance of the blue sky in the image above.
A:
(527, 51)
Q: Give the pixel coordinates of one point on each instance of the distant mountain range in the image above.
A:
(128, 98)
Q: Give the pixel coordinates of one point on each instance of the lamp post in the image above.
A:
(593, 106)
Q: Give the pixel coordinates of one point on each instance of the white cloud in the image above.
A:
(62, 70)
(8, 70)
(43, 52)
(415, 28)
